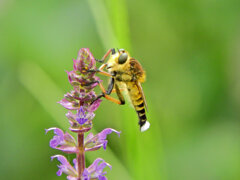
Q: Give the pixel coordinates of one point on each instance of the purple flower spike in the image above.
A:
(99, 140)
(64, 142)
(81, 116)
(65, 167)
(81, 103)
(95, 170)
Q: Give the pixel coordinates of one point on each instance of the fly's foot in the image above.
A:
(98, 97)
(100, 61)
(90, 83)
(93, 70)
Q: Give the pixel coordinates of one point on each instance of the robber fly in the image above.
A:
(125, 72)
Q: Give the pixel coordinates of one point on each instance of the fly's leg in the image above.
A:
(111, 84)
(90, 83)
(106, 94)
(119, 94)
(115, 91)
(106, 55)
(101, 71)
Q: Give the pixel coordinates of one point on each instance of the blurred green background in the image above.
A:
(190, 50)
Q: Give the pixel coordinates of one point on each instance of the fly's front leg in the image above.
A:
(106, 55)
(101, 71)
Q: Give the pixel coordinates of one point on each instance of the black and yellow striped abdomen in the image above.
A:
(137, 101)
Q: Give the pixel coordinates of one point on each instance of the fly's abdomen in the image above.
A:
(141, 114)
(138, 103)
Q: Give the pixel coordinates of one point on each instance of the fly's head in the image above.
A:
(118, 60)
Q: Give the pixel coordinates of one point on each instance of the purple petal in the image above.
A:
(68, 138)
(77, 65)
(56, 139)
(90, 116)
(69, 97)
(86, 175)
(67, 149)
(59, 172)
(73, 105)
(81, 121)
(69, 77)
(75, 164)
(64, 142)
(93, 148)
(71, 178)
(57, 131)
(61, 159)
(65, 166)
(81, 116)
(103, 134)
(103, 165)
(54, 142)
(73, 78)
(81, 111)
(94, 106)
(99, 171)
(71, 116)
(99, 140)
(96, 79)
(96, 169)
(104, 142)
(102, 178)
(94, 165)
(90, 136)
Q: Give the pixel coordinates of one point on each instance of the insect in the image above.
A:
(125, 72)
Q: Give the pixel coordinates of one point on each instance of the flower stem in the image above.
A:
(80, 155)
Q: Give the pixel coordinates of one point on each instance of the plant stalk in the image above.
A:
(80, 155)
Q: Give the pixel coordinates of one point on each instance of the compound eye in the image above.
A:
(122, 58)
